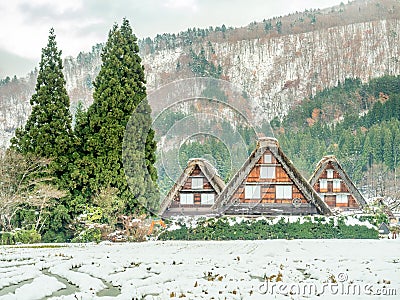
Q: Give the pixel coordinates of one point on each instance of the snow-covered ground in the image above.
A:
(283, 269)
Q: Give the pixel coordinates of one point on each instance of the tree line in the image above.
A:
(54, 172)
(352, 12)
(358, 123)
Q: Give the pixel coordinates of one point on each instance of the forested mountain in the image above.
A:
(276, 62)
(359, 123)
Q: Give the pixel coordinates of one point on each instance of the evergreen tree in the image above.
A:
(396, 143)
(48, 131)
(388, 147)
(119, 89)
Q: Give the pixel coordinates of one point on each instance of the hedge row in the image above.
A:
(20, 236)
(222, 229)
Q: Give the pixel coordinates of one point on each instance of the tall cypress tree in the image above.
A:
(48, 131)
(119, 89)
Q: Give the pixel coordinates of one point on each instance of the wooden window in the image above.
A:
(336, 185)
(186, 198)
(323, 184)
(267, 172)
(207, 198)
(267, 159)
(284, 192)
(197, 183)
(252, 192)
(330, 200)
(329, 173)
(342, 198)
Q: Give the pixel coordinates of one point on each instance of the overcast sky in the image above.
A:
(80, 24)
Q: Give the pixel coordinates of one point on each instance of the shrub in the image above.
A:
(27, 236)
(375, 219)
(91, 234)
(7, 238)
(20, 236)
(221, 229)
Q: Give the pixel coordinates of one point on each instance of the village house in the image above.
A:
(335, 187)
(269, 184)
(396, 215)
(387, 209)
(195, 191)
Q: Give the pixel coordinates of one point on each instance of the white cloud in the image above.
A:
(182, 4)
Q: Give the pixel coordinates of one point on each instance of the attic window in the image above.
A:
(267, 172)
(252, 192)
(197, 183)
(267, 159)
(342, 198)
(186, 198)
(284, 192)
(329, 173)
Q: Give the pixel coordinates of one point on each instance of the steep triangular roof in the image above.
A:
(387, 208)
(206, 168)
(331, 160)
(384, 228)
(299, 181)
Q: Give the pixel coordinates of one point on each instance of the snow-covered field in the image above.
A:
(283, 269)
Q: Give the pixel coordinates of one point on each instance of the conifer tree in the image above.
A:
(119, 89)
(48, 131)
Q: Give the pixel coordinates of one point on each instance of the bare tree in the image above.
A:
(24, 180)
(382, 182)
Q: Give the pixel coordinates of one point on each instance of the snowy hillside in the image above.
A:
(275, 70)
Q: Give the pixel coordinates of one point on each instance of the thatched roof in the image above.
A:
(331, 159)
(271, 144)
(206, 168)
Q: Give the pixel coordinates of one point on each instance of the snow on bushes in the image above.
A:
(290, 227)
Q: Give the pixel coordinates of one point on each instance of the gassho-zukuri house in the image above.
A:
(195, 191)
(267, 184)
(335, 187)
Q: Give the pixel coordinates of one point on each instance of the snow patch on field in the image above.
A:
(193, 270)
(35, 289)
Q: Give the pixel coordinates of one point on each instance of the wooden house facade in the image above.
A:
(195, 191)
(269, 184)
(335, 187)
